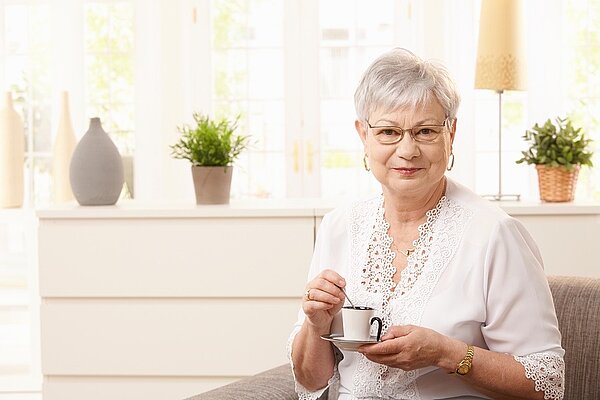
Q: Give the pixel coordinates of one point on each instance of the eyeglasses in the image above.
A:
(420, 133)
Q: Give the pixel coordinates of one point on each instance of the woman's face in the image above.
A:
(408, 167)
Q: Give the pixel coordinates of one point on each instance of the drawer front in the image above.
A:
(175, 337)
(202, 257)
(127, 388)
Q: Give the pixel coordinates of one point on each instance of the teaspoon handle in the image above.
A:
(346, 294)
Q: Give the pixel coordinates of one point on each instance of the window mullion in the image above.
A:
(294, 164)
(310, 96)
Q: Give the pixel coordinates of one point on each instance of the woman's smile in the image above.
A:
(407, 171)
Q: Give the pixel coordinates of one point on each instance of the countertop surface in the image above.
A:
(271, 208)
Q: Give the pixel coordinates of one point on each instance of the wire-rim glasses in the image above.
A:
(426, 133)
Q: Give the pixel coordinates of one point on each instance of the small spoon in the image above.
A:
(346, 294)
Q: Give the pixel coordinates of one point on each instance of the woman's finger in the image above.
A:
(333, 277)
(391, 346)
(319, 295)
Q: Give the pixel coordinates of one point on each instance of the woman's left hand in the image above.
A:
(407, 347)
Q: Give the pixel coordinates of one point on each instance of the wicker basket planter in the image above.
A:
(557, 184)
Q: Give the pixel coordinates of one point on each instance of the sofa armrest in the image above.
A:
(276, 383)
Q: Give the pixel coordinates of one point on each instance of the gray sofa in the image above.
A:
(577, 302)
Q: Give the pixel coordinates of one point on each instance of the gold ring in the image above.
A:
(307, 294)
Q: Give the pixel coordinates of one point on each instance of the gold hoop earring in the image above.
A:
(449, 168)
(366, 163)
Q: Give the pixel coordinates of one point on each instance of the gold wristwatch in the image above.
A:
(464, 366)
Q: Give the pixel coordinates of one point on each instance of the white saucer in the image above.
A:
(347, 344)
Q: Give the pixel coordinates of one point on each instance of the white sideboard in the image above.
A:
(166, 302)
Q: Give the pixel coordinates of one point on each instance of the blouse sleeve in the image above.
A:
(315, 269)
(520, 314)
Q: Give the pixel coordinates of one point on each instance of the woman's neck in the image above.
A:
(414, 209)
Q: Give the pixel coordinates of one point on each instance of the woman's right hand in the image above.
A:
(322, 299)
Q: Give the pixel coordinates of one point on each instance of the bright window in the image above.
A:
(247, 51)
(352, 34)
(581, 63)
(27, 56)
(109, 75)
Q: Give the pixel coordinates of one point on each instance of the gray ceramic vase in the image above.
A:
(96, 170)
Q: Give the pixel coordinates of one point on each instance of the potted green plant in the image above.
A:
(558, 150)
(211, 146)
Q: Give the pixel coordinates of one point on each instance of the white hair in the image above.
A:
(399, 78)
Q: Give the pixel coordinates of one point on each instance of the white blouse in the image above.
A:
(476, 276)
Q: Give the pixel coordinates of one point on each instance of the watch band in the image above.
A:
(464, 366)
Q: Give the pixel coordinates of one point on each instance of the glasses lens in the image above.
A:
(427, 133)
(387, 134)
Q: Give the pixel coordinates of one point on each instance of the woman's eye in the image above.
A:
(389, 132)
(425, 131)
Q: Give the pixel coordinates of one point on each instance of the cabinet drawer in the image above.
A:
(174, 337)
(171, 257)
(127, 388)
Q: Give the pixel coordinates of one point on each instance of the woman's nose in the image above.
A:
(407, 148)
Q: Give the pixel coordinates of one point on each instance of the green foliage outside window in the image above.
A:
(109, 45)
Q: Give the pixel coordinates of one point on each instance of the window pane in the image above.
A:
(582, 72)
(265, 24)
(27, 73)
(265, 74)
(259, 175)
(266, 124)
(353, 34)
(229, 23)
(337, 125)
(26, 38)
(247, 65)
(16, 29)
(230, 73)
(109, 80)
(42, 180)
(376, 22)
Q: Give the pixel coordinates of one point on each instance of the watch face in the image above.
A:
(463, 369)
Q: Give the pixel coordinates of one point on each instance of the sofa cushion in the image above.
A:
(577, 303)
(276, 383)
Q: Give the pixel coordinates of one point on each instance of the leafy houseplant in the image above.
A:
(211, 146)
(558, 151)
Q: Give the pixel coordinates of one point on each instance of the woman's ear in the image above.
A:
(453, 130)
(362, 132)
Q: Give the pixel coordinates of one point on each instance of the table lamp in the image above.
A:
(500, 62)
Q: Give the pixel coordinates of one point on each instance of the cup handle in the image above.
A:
(379, 326)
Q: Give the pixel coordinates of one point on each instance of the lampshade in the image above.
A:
(501, 50)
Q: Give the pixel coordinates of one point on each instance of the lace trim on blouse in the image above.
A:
(371, 282)
(547, 370)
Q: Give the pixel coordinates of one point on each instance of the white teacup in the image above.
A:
(357, 323)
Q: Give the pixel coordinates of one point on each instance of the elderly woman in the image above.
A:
(466, 308)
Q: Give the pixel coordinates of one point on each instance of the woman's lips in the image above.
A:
(407, 171)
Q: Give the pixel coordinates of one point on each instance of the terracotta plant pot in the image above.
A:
(212, 184)
(557, 184)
